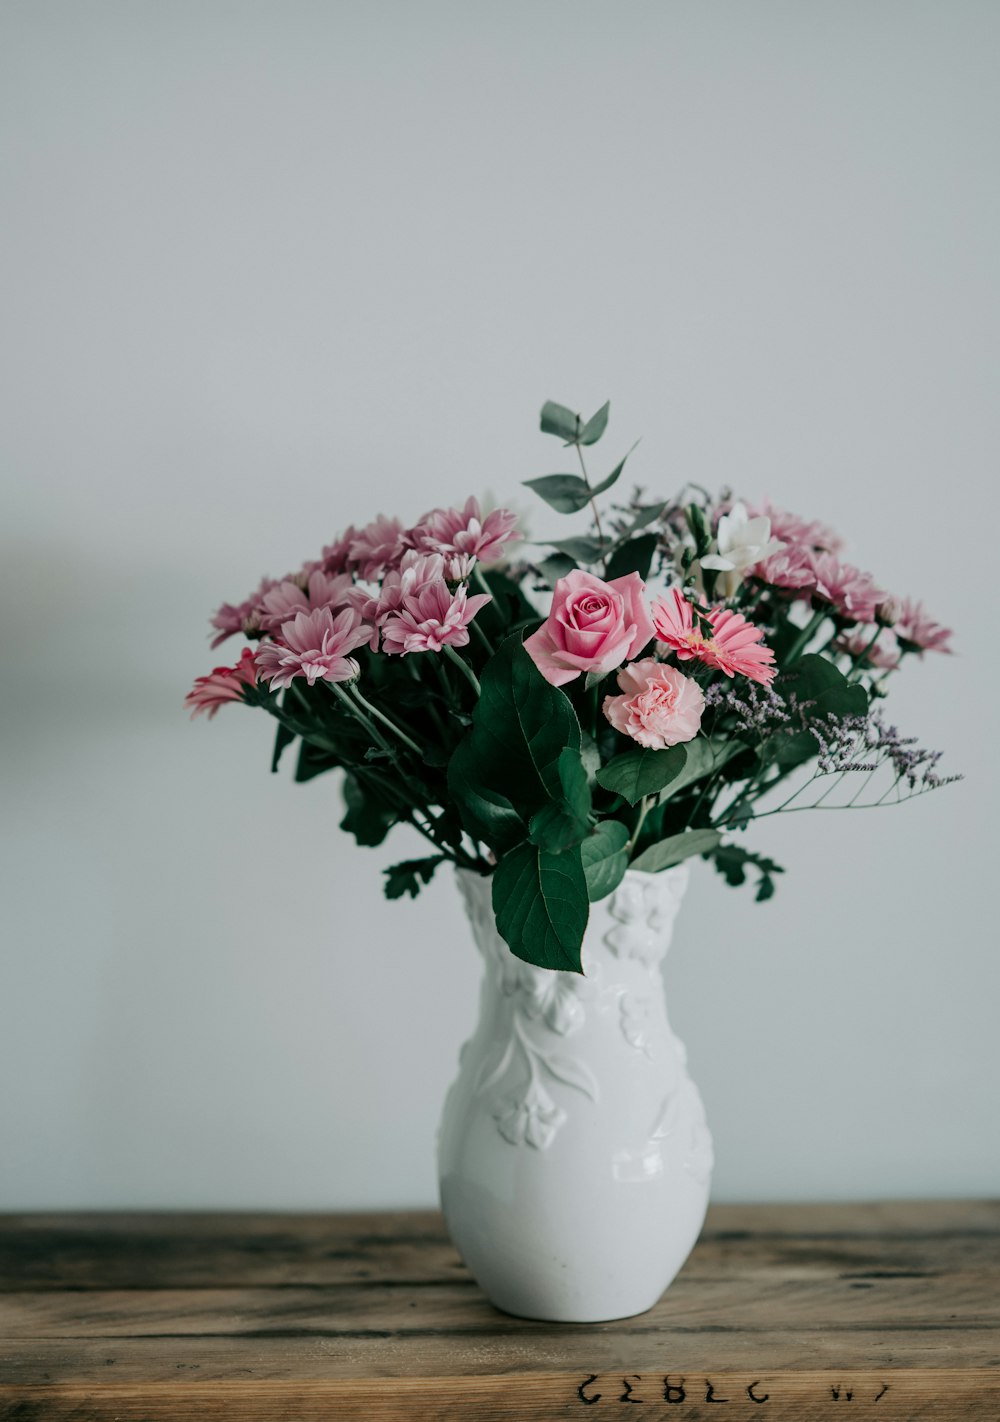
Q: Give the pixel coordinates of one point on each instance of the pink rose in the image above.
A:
(661, 706)
(593, 627)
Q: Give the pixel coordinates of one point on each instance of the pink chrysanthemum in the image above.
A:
(790, 569)
(852, 594)
(734, 645)
(314, 645)
(222, 685)
(380, 545)
(883, 654)
(282, 603)
(241, 616)
(457, 531)
(913, 625)
(337, 555)
(799, 532)
(434, 618)
(416, 572)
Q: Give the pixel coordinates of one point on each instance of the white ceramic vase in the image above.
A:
(573, 1156)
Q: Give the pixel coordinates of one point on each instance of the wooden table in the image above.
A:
(807, 1312)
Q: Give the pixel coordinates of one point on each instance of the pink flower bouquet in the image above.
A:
(637, 695)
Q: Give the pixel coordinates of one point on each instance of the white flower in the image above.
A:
(740, 543)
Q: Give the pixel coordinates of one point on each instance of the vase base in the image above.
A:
(571, 1316)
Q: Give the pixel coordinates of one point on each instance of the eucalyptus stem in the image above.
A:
(466, 670)
(396, 730)
(593, 505)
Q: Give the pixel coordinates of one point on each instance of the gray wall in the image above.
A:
(271, 268)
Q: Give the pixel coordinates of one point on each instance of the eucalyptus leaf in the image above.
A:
(615, 474)
(541, 906)
(704, 757)
(675, 849)
(560, 420)
(555, 567)
(595, 426)
(566, 493)
(640, 772)
(581, 550)
(605, 858)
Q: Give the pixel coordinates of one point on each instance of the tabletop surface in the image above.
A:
(800, 1311)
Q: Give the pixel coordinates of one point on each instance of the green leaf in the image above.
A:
(562, 824)
(541, 906)
(509, 761)
(313, 760)
(606, 484)
(283, 737)
(605, 858)
(581, 550)
(408, 876)
(731, 860)
(555, 567)
(704, 757)
(812, 679)
(675, 849)
(566, 493)
(595, 426)
(561, 421)
(368, 818)
(641, 772)
(633, 556)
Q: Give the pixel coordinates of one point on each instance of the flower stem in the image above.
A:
(359, 715)
(805, 636)
(466, 670)
(396, 730)
(643, 811)
(487, 645)
(856, 668)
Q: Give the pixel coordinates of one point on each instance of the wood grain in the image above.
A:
(781, 1312)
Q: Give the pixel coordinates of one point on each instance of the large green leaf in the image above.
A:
(283, 737)
(704, 757)
(563, 823)
(510, 758)
(633, 556)
(368, 818)
(605, 858)
(566, 493)
(675, 849)
(821, 691)
(560, 420)
(640, 772)
(541, 906)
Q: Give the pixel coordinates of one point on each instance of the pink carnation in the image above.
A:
(852, 594)
(314, 645)
(241, 616)
(378, 546)
(458, 531)
(432, 618)
(660, 707)
(734, 644)
(594, 626)
(222, 685)
(282, 602)
(913, 625)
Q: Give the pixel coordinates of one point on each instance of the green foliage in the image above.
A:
(566, 493)
(409, 876)
(582, 550)
(556, 566)
(731, 860)
(564, 823)
(640, 772)
(560, 420)
(703, 758)
(605, 858)
(675, 849)
(541, 906)
(596, 425)
(821, 691)
(314, 760)
(368, 818)
(283, 737)
(635, 555)
(509, 765)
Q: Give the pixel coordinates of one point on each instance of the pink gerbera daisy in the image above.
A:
(222, 685)
(314, 645)
(433, 618)
(732, 646)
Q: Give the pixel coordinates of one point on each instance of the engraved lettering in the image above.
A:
(835, 1392)
(586, 1383)
(752, 1395)
(885, 1389)
(710, 1393)
(627, 1394)
(673, 1392)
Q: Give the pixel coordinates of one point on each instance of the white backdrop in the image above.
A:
(271, 268)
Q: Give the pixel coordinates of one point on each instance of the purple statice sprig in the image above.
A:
(852, 743)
